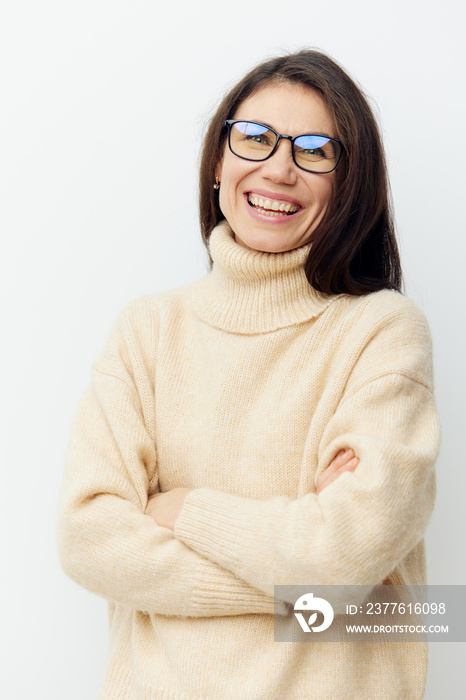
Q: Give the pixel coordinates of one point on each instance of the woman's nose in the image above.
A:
(280, 167)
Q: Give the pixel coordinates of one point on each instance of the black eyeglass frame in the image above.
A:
(230, 122)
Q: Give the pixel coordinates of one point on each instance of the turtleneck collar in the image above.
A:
(250, 291)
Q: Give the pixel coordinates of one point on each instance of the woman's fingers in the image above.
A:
(350, 466)
(340, 460)
(345, 460)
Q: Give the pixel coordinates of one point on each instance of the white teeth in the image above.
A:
(272, 206)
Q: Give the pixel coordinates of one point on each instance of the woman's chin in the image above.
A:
(267, 242)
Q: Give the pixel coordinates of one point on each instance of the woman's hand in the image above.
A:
(345, 461)
(165, 507)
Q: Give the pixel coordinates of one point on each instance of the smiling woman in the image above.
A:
(354, 246)
(254, 188)
(273, 423)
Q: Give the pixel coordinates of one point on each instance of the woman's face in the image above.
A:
(291, 109)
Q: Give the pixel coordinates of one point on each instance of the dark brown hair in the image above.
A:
(354, 249)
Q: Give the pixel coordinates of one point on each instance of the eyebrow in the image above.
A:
(304, 133)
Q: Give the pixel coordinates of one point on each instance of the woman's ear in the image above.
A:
(218, 169)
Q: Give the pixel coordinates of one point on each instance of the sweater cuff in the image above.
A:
(207, 523)
(229, 530)
(223, 594)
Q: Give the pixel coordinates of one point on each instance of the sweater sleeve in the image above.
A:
(358, 529)
(106, 542)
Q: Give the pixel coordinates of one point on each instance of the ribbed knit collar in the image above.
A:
(250, 291)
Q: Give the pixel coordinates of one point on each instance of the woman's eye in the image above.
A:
(314, 152)
(314, 148)
(258, 138)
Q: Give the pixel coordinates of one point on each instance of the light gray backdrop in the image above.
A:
(98, 207)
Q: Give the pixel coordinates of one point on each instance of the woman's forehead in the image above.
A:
(289, 108)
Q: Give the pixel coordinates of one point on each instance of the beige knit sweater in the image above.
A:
(244, 386)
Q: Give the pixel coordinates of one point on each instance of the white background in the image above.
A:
(99, 207)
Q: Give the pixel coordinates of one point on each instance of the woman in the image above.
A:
(213, 455)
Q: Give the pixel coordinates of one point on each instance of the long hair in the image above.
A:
(354, 249)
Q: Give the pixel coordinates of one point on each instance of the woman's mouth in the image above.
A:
(272, 207)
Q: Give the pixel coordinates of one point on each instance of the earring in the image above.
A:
(217, 183)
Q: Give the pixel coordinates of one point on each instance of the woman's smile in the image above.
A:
(278, 208)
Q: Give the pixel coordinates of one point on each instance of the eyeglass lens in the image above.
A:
(256, 142)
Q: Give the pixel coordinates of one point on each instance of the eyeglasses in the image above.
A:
(254, 141)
